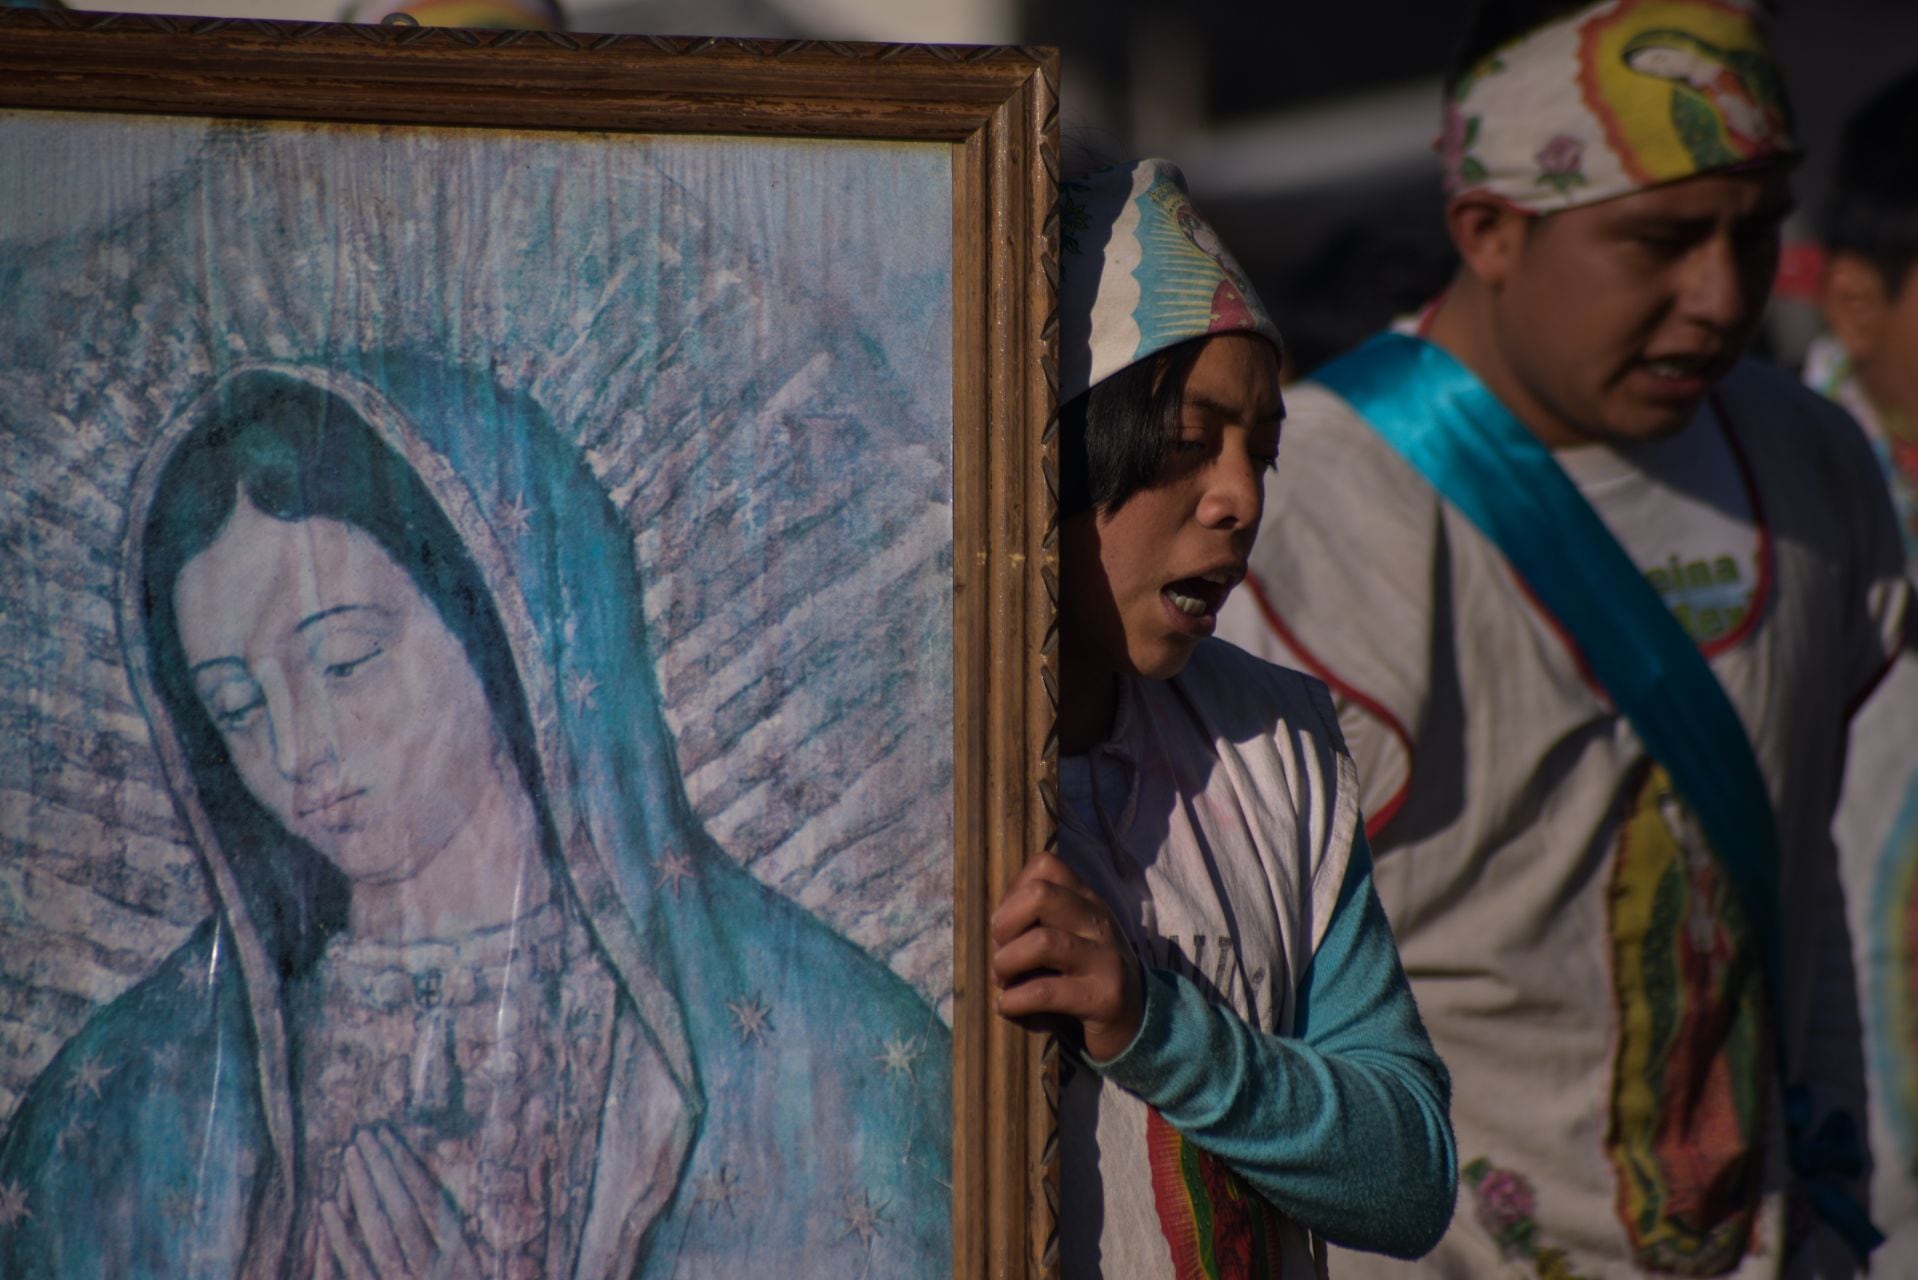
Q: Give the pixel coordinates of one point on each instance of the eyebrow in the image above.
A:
(1668, 224)
(1208, 404)
(309, 620)
(1702, 224)
(324, 614)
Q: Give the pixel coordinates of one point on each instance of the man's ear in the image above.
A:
(1856, 304)
(1488, 234)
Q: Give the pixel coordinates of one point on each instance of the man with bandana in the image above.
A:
(1596, 597)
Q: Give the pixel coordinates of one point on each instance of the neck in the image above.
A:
(491, 872)
(1088, 698)
(1466, 326)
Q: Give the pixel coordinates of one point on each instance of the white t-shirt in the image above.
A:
(1681, 509)
(1220, 835)
(1580, 961)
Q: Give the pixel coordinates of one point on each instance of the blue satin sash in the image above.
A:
(1481, 459)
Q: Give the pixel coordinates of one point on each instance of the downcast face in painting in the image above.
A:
(347, 706)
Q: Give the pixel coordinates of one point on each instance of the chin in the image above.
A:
(1649, 423)
(1166, 661)
(356, 862)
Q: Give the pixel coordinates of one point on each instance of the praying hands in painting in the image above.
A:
(397, 1222)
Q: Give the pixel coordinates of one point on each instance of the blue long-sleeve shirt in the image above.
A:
(1220, 822)
(1342, 1125)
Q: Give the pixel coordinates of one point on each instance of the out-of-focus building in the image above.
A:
(1304, 130)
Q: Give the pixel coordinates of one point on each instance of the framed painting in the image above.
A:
(527, 610)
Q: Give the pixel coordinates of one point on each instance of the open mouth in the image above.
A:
(1683, 374)
(1198, 598)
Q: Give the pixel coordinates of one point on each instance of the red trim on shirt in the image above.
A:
(1371, 706)
(1422, 322)
(1558, 629)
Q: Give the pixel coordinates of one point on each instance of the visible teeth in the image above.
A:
(1191, 606)
(1221, 578)
(1675, 368)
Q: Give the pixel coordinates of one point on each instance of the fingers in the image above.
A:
(1046, 892)
(1049, 867)
(1058, 951)
(1075, 996)
(371, 1213)
(318, 1252)
(440, 1215)
(433, 1209)
(1042, 947)
(397, 1222)
(1047, 971)
(347, 1260)
(389, 1222)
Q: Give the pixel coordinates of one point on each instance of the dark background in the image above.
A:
(1305, 131)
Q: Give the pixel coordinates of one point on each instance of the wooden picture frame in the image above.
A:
(986, 117)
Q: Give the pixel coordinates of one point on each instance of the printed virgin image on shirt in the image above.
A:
(477, 678)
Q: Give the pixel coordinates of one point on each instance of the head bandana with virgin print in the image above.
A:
(1139, 271)
(1618, 97)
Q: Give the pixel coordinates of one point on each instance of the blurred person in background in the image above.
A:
(1868, 362)
(1596, 596)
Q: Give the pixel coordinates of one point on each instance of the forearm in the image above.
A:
(1345, 1127)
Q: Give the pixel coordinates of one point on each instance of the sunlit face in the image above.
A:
(347, 706)
(1143, 585)
(1615, 319)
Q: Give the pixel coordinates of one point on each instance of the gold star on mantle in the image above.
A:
(900, 1053)
(862, 1218)
(674, 868)
(718, 1191)
(513, 518)
(180, 1204)
(89, 1076)
(752, 1018)
(582, 688)
(13, 1204)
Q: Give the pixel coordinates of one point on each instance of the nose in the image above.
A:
(1234, 497)
(301, 725)
(1727, 281)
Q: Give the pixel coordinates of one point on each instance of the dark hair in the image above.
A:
(297, 452)
(1493, 24)
(1873, 208)
(1115, 436)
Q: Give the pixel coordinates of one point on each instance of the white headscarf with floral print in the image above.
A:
(1619, 96)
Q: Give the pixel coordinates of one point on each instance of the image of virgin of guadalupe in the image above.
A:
(479, 996)
(1726, 104)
